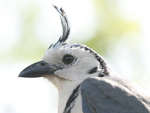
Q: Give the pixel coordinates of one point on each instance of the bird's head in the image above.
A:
(67, 61)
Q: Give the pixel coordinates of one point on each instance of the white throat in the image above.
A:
(65, 89)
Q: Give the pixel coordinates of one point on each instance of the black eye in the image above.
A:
(67, 59)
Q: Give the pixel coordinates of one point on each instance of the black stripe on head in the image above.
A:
(100, 59)
(50, 46)
(93, 70)
(65, 26)
(97, 56)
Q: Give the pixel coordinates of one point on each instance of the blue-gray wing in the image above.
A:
(113, 95)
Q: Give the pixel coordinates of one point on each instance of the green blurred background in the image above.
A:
(117, 29)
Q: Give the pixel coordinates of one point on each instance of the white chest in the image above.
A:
(75, 104)
(68, 90)
(78, 105)
(77, 108)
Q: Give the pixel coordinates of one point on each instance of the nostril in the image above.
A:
(43, 64)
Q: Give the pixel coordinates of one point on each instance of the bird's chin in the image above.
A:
(49, 76)
(55, 80)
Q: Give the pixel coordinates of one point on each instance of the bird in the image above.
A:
(86, 83)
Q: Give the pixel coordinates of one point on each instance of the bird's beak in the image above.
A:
(38, 69)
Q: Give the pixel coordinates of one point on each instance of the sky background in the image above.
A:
(119, 30)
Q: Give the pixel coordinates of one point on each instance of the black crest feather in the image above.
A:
(65, 25)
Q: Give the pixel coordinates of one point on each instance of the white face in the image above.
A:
(81, 63)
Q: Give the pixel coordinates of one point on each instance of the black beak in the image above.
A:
(38, 69)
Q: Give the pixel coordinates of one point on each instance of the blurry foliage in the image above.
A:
(28, 42)
(110, 26)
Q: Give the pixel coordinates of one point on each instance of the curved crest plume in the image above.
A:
(65, 25)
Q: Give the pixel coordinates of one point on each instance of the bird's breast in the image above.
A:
(70, 101)
(78, 105)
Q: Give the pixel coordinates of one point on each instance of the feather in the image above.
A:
(65, 25)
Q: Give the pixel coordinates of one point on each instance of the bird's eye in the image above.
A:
(68, 59)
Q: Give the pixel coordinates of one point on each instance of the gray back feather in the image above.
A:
(113, 95)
